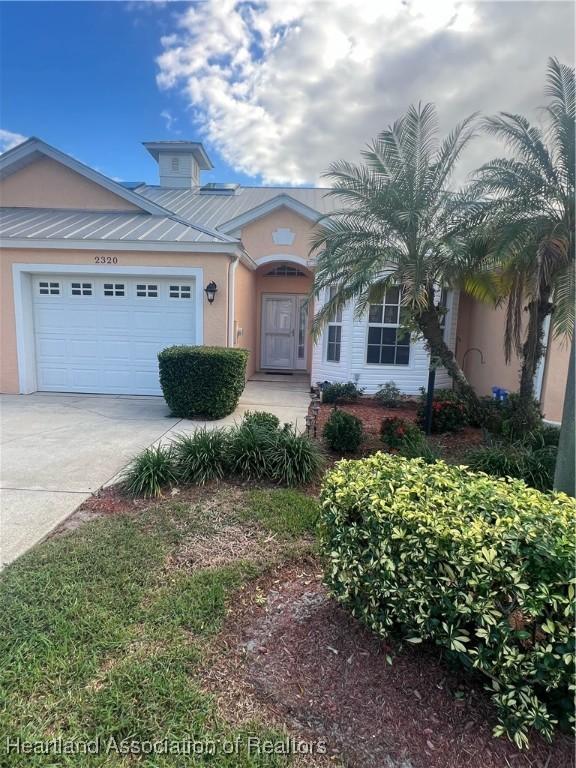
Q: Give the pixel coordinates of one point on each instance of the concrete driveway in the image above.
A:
(57, 449)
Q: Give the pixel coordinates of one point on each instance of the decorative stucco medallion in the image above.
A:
(283, 236)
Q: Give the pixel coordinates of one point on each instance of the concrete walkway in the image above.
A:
(56, 450)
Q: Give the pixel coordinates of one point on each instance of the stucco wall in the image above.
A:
(257, 236)
(480, 347)
(245, 313)
(215, 315)
(45, 183)
(480, 352)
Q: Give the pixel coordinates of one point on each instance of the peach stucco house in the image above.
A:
(98, 276)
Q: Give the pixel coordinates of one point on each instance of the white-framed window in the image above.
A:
(180, 292)
(388, 343)
(81, 289)
(48, 288)
(147, 290)
(114, 289)
(285, 270)
(334, 332)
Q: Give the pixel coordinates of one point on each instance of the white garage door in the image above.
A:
(103, 335)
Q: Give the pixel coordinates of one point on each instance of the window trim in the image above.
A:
(396, 326)
(337, 322)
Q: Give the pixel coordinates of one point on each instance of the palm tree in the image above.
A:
(400, 225)
(530, 221)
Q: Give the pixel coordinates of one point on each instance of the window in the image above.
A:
(48, 289)
(175, 164)
(114, 289)
(388, 343)
(334, 332)
(147, 291)
(284, 270)
(302, 320)
(180, 292)
(81, 289)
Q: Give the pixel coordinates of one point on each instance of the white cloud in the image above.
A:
(9, 139)
(283, 88)
(170, 120)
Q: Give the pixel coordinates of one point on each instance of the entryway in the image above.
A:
(284, 343)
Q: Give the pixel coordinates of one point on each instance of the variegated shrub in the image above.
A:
(481, 566)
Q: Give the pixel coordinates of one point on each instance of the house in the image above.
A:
(98, 276)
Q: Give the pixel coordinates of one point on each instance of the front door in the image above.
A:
(283, 334)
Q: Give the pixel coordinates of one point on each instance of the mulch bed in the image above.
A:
(453, 446)
(290, 654)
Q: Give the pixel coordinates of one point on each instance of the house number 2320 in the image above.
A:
(105, 259)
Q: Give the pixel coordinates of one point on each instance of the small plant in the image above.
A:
(341, 393)
(261, 419)
(343, 432)
(150, 472)
(418, 448)
(291, 458)
(201, 456)
(449, 411)
(535, 467)
(395, 431)
(248, 451)
(389, 395)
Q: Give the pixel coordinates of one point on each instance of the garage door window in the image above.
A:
(114, 289)
(180, 292)
(146, 291)
(48, 288)
(81, 289)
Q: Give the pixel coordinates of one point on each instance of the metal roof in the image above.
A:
(206, 210)
(48, 224)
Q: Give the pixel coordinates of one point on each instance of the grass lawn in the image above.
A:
(104, 629)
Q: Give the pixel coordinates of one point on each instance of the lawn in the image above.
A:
(104, 629)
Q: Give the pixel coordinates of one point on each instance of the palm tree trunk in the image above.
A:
(533, 348)
(428, 322)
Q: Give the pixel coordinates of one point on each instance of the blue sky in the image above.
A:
(276, 89)
(82, 76)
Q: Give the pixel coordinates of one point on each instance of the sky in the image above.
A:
(276, 89)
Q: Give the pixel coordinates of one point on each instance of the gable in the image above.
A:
(46, 183)
(280, 232)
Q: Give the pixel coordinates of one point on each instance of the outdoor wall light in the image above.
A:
(210, 291)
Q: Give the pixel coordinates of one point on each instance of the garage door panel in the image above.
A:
(107, 344)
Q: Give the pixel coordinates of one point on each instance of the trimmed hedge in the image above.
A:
(480, 566)
(202, 381)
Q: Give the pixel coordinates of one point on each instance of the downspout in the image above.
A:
(539, 378)
(232, 300)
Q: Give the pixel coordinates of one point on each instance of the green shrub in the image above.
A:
(248, 451)
(394, 431)
(449, 411)
(480, 566)
(343, 432)
(202, 381)
(292, 458)
(201, 456)
(389, 395)
(150, 471)
(534, 466)
(262, 419)
(418, 448)
(341, 393)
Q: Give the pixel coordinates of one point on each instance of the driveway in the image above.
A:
(56, 449)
